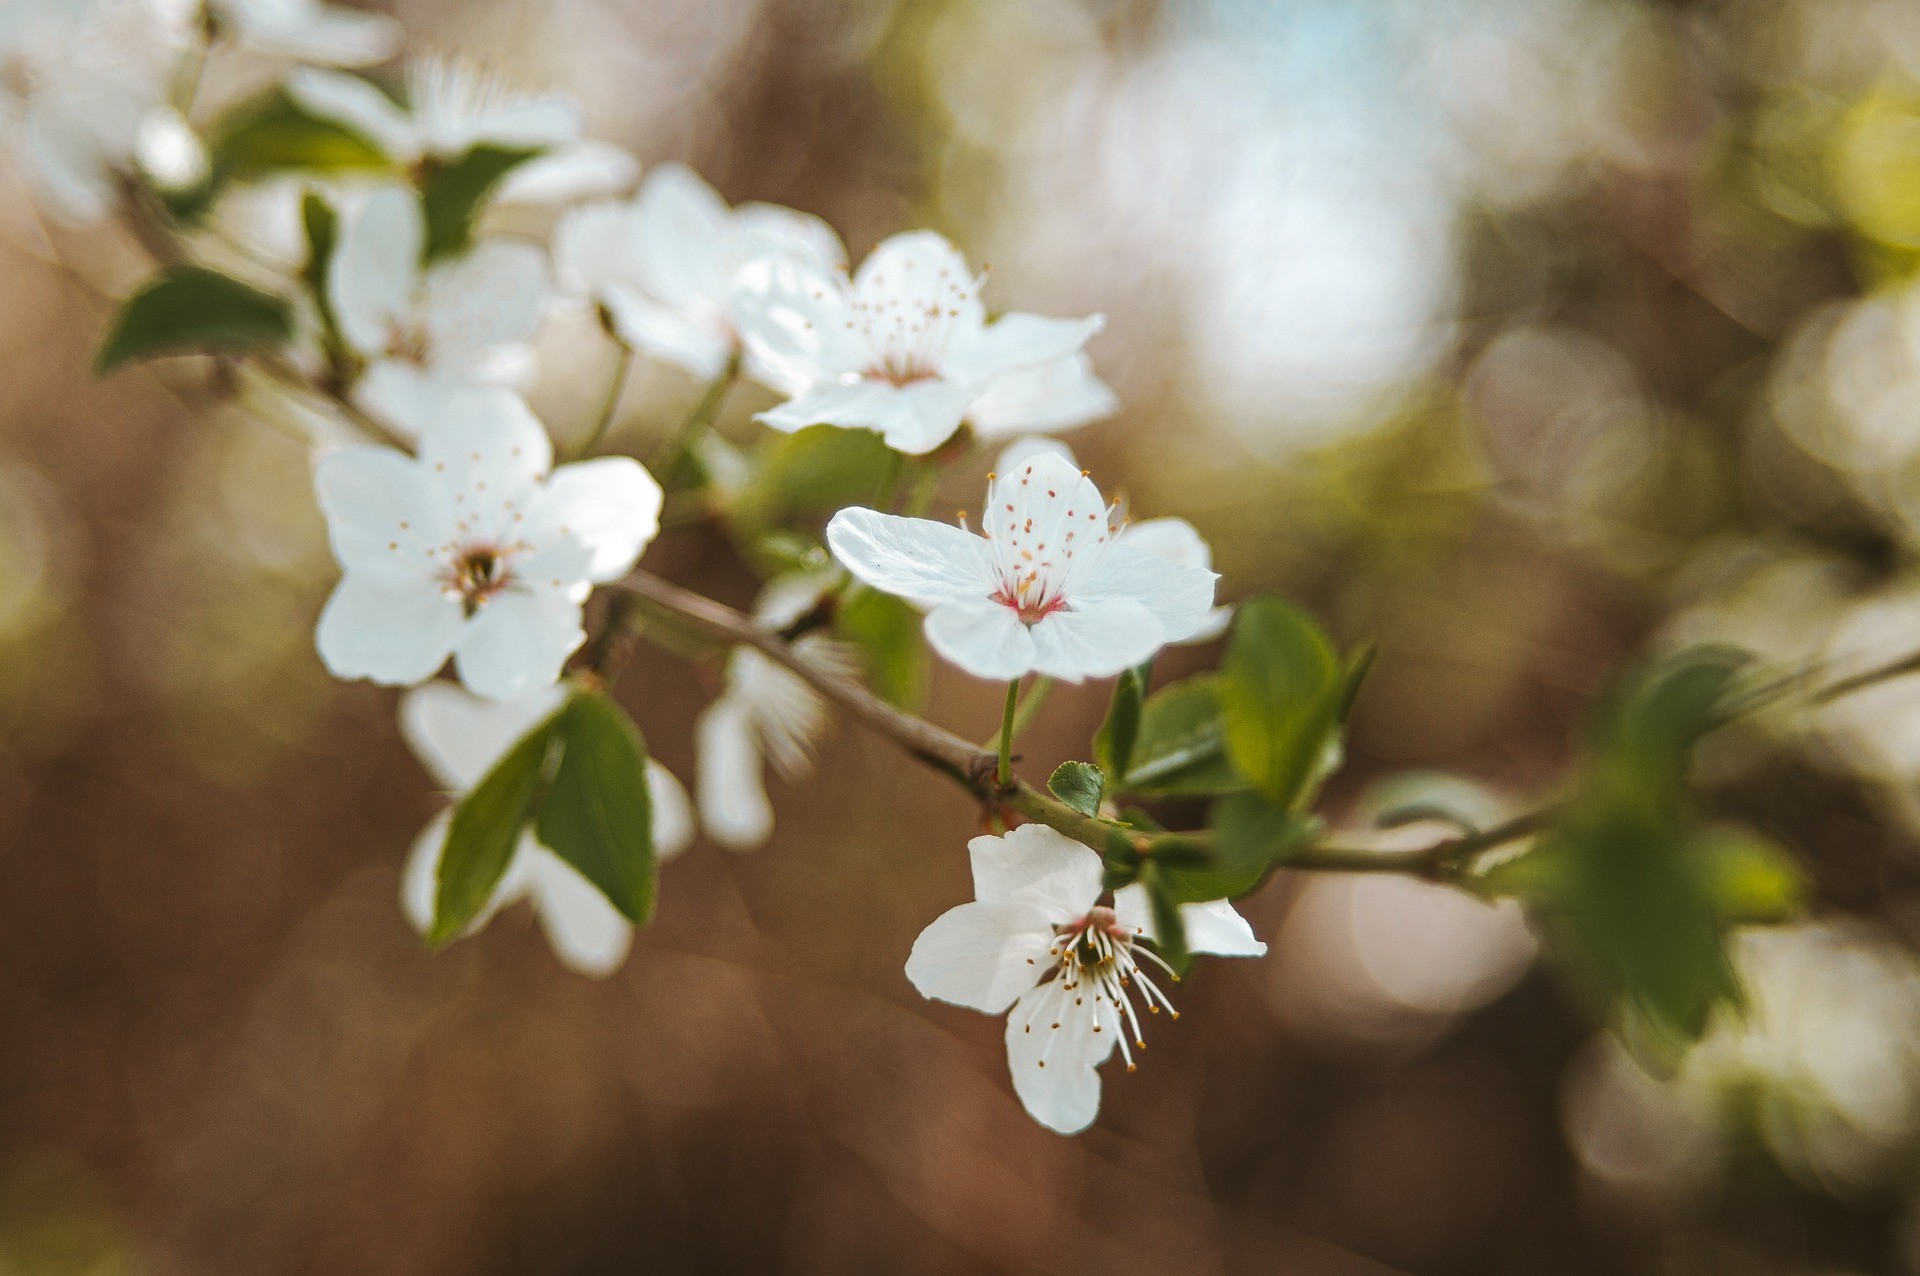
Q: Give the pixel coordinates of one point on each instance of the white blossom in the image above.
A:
(306, 29)
(1051, 586)
(474, 550)
(664, 266)
(903, 347)
(454, 106)
(77, 80)
(1058, 395)
(459, 737)
(766, 715)
(427, 333)
(1037, 940)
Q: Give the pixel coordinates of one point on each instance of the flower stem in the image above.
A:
(674, 463)
(610, 404)
(1005, 771)
(1029, 709)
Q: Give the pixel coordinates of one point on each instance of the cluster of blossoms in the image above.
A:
(469, 557)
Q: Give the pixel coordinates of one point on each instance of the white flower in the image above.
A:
(454, 107)
(458, 737)
(76, 82)
(903, 347)
(1048, 396)
(765, 715)
(473, 550)
(307, 30)
(664, 266)
(1051, 587)
(1037, 939)
(426, 333)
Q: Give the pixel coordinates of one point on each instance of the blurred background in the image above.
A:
(1515, 336)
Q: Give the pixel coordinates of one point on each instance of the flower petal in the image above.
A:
(1053, 1054)
(371, 278)
(579, 170)
(731, 784)
(762, 229)
(458, 736)
(587, 932)
(1174, 539)
(981, 955)
(351, 101)
(699, 342)
(323, 34)
(672, 812)
(597, 245)
(797, 323)
(518, 641)
(1095, 639)
(383, 513)
(391, 635)
(415, 402)
(420, 884)
(496, 453)
(685, 230)
(610, 506)
(983, 637)
(491, 297)
(1213, 928)
(1037, 865)
(916, 288)
(1058, 395)
(1013, 341)
(915, 558)
(1181, 598)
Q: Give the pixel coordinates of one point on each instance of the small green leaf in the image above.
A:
(1750, 878)
(453, 192)
(1180, 749)
(1282, 692)
(271, 134)
(486, 830)
(817, 470)
(187, 309)
(1251, 837)
(1113, 744)
(1079, 785)
(887, 632)
(1169, 927)
(597, 815)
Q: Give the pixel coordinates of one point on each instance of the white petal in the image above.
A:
(1058, 395)
(919, 277)
(545, 121)
(1037, 865)
(1211, 928)
(595, 246)
(371, 277)
(496, 452)
(351, 101)
(921, 416)
(672, 812)
(797, 323)
(731, 785)
(915, 558)
(984, 638)
(413, 401)
(760, 229)
(327, 35)
(1015, 341)
(518, 642)
(685, 240)
(458, 736)
(610, 506)
(1053, 1066)
(491, 297)
(70, 168)
(981, 956)
(698, 341)
(1181, 598)
(1174, 539)
(419, 882)
(383, 512)
(581, 170)
(1095, 639)
(587, 932)
(393, 636)
(1020, 451)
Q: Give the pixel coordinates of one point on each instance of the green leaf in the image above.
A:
(486, 829)
(1646, 727)
(1169, 927)
(814, 471)
(1282, 692)
(1120, 861)
(1251, 837)
(597, 815)
(1113, 743)
(1180, 748)
(1749, 877)
(887, 632)
(1416, 796)
(1079, 785)
(187, 309)
(270, 134)
(453, 192)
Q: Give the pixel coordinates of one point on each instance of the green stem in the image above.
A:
(1029, 708)
(610, 404)
(679, 454)
(889, 485)
(1005, 772)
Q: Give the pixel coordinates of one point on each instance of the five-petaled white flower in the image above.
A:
(473, 550)
(1036, 939)
(304, 29)
(458, 737)
(77, 82)
(664, 265)
(454, 106)
(1051, 587)
(427, 333)
(767, 714)
(903, 347)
